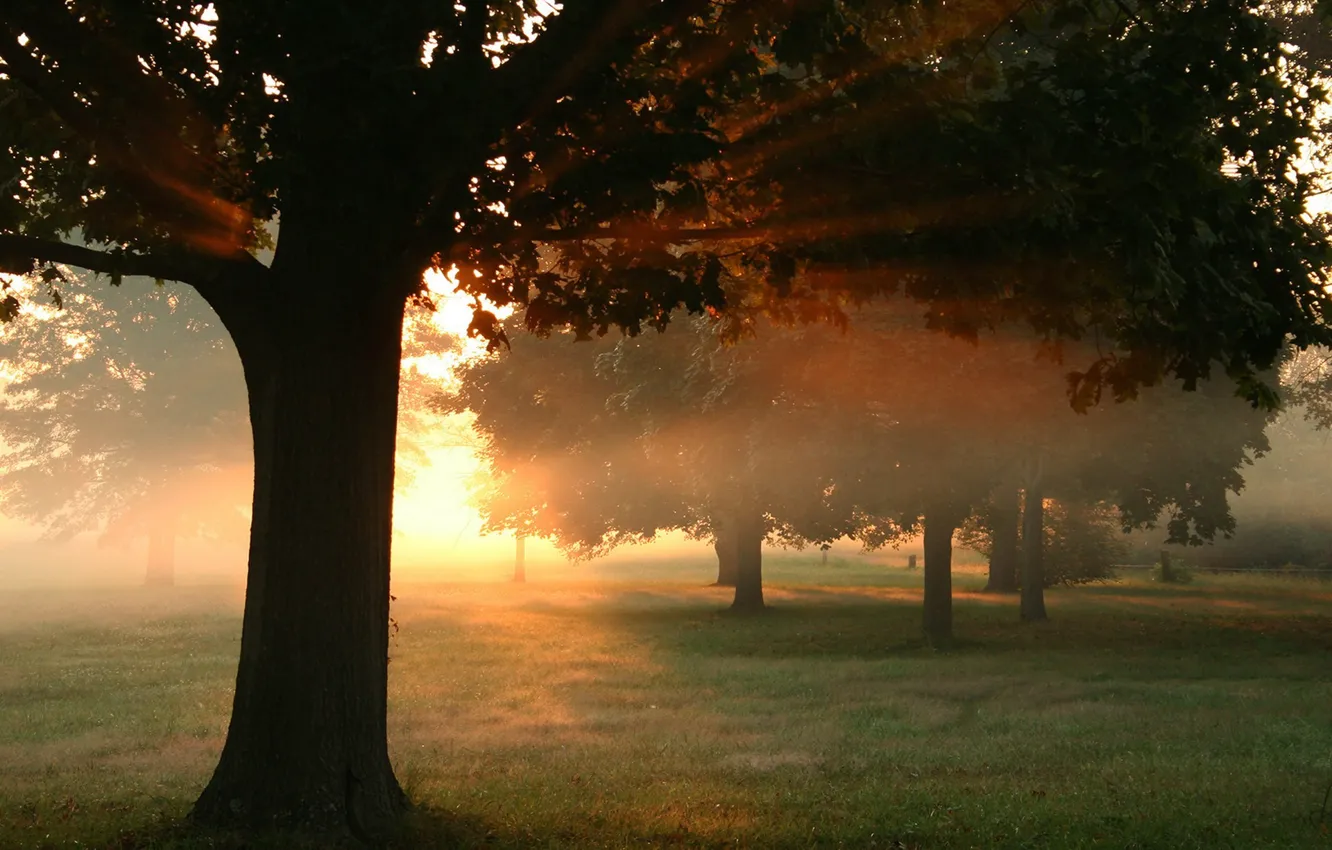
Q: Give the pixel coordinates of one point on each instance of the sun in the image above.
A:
(453, 308)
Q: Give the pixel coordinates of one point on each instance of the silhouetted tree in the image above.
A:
(674, 431)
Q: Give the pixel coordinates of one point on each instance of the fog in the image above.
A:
(128, 459)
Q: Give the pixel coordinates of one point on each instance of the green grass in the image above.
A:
(618, 714)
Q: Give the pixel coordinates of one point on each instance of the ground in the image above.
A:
(635, 712)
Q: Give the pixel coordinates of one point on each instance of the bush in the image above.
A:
(1083, 541)
(1180, 573)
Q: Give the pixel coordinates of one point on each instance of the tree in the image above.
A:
(1168, 454)
(675, 431)
(126, 414)
(635, 137)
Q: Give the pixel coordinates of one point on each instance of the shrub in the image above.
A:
(1180, 573)
(1083, 541)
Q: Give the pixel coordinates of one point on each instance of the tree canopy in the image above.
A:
(871, 433)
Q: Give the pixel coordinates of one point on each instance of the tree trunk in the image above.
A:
(1033, 552)
(307, 745)
(1005, 515)
(749, 531)
(726, 544)
(520, 558)
(161, 570)
(940, 523)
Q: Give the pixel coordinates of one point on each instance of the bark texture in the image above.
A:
(750, 531)
(1005, 515)
(307, 745)
(940, 523)
(1033, 553)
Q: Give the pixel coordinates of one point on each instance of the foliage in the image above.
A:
(1180, 572)
(658, 432)
(1083, 541)
(834, 434)
(1063, 179)
(124, 412)
(1279, 516)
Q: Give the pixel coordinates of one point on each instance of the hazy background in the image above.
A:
(437, 532)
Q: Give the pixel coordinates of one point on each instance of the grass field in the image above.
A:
(635, 714)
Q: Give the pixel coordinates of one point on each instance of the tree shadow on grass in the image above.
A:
(421, 828)
(892, 628)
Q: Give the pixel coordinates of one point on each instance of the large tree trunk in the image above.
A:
(161, 570)
(749, 531)
(726, 544)
(520, 558)
(307, 746)
(940, 523)
(1005, 515)
(1033, 552)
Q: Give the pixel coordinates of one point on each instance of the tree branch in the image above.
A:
(201, 272)
(473, 36)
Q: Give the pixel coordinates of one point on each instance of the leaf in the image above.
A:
(9, 308)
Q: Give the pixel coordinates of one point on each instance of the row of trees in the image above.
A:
(1096, 167)
(804, 435)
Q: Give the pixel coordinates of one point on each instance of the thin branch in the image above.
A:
(1133, 16)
